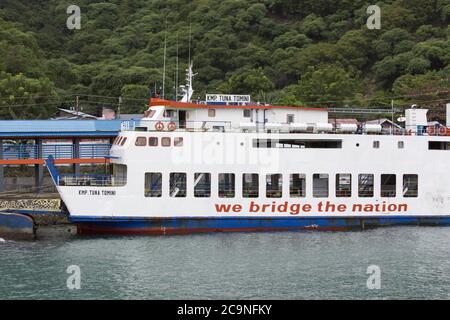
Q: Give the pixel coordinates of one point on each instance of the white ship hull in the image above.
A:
(330, 192)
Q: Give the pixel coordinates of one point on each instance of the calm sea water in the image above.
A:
(414, 264)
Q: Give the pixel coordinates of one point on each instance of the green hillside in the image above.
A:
(311, 52)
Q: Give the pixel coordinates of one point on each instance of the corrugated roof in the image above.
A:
(58, 127)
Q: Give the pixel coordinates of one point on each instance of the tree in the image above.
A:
(251, 82)
(328, 84)
(25, 98)
(418, 65)
(134, 98)
(291, 39)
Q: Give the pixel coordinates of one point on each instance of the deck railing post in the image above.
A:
(2, 176)
(76, 155)
(38, 168)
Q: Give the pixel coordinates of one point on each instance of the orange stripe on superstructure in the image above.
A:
(153, 102)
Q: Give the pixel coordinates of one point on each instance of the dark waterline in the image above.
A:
(414, 262)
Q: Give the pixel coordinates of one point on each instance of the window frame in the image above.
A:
(337, 186)
(274, 194)
(209, 190)
(177, 140)
(370, 195)
(288, 116)
(184, 195)
(301, 177)
(166, 139)
(385, 193)
(221, 192)
(416, 194)
(155, 139)
(211, 113)
(252, 193)
(140, 139)
(319, 195)
(160, 185)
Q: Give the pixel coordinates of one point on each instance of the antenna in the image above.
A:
(164, 67)
(176, 75)
(190, 39)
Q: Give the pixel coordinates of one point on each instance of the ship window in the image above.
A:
(141, 141)
(178, 185)
(343, 185)
(165, 142)
(297, 185)
(290, 118)
(274, 185)
(116, 140)
(170, 113)
(153, 185)
(297, 143)
(178, 142)
(153, 141)
(401, 144)
(438, 145)
(211, 113)
(202, 185)
(388, 185)
(410, 185)
(250, 185)
(320, 185)
(247, 113)
(123, 141)
(376, 144)
(149, 113)
(365, 185)
(226, 185)
(119, 177)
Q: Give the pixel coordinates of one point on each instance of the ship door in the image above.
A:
(182, 118)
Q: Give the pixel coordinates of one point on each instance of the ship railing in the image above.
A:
(172, 125)
(92, 180)
(57, 151)
(279, 127)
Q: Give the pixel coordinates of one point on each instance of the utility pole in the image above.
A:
(118, 108)
(392, 116)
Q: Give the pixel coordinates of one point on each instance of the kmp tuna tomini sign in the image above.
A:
(228, 98)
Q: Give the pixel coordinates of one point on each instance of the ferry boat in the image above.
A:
(230, 165)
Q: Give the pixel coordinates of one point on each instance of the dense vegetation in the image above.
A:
(313, 52)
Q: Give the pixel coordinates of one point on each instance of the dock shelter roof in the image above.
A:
(58, 128)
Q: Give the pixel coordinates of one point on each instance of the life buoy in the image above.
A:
(172, 126)
(442, 131)
(431, 130)
(159, 126)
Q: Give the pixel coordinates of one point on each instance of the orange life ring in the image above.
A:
(431, 130)
(159, 126)
(442, 131)
(172, 126)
